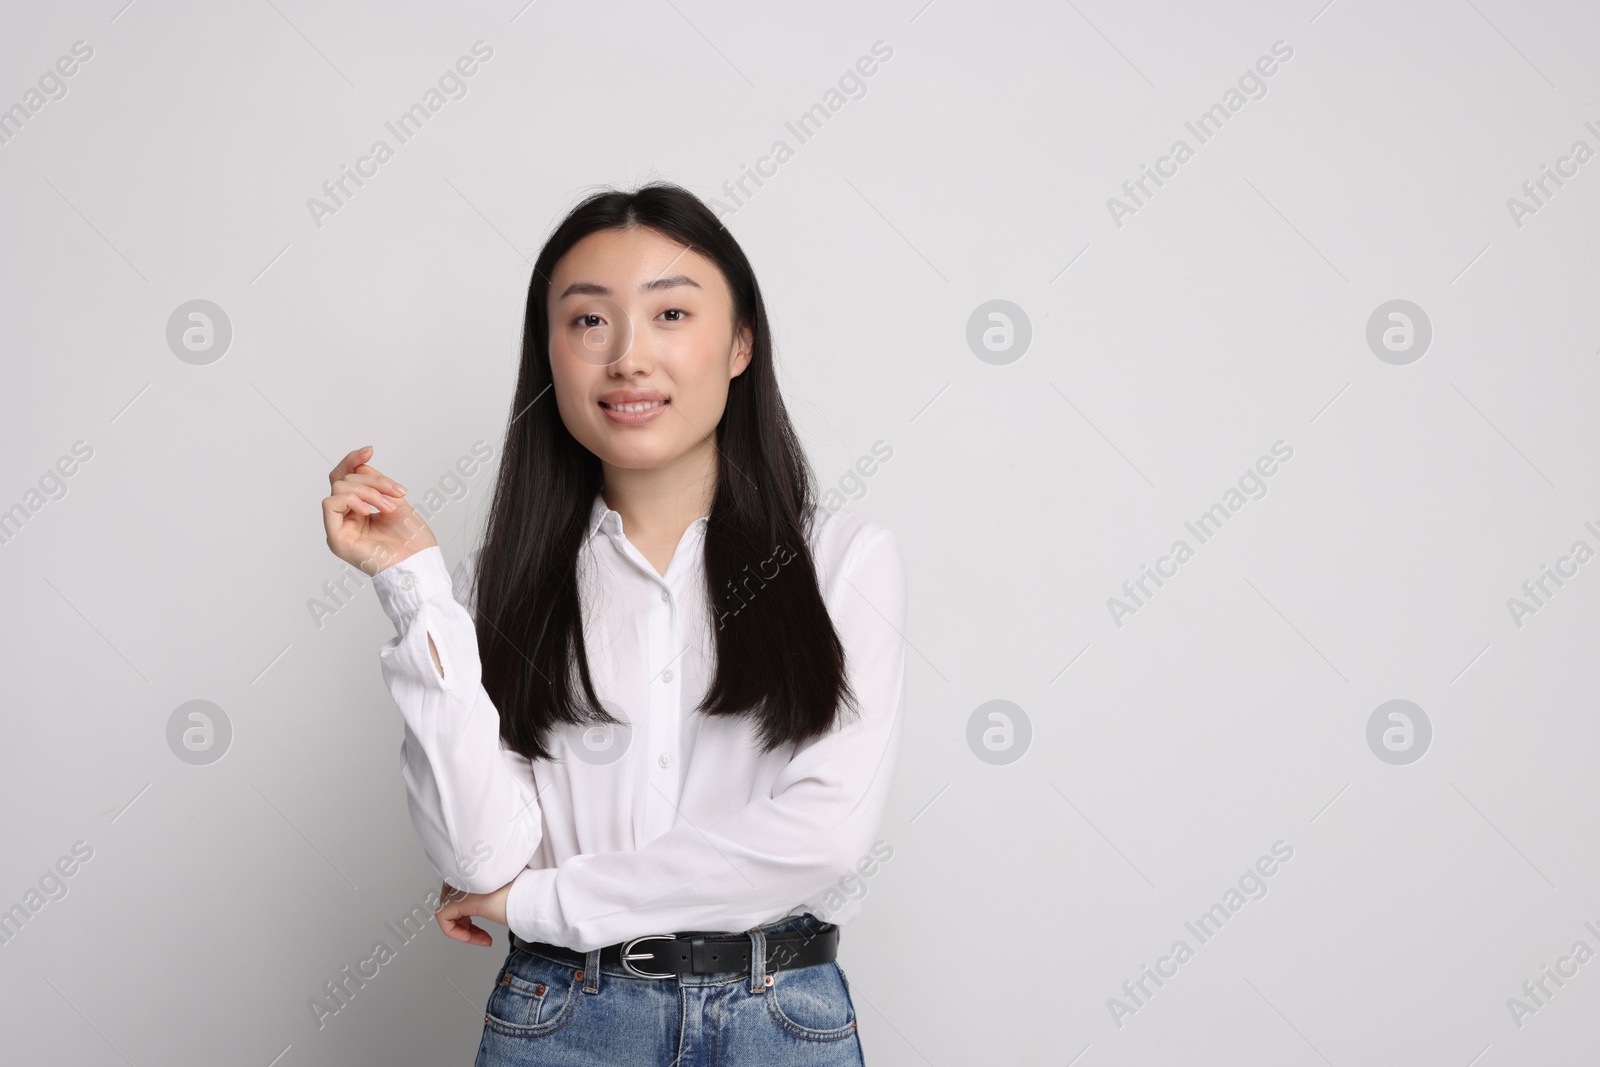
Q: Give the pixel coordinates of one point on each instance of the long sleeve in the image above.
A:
(824, 812)
(472, 801)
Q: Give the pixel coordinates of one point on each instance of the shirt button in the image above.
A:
(665, 760)
(405, 581)
(665, 596)
(666, 676)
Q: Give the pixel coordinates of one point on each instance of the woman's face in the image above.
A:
(642, 346)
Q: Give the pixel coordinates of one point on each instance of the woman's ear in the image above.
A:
(742, 354)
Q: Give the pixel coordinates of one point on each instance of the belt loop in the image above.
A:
(758, 960)
(591, 971)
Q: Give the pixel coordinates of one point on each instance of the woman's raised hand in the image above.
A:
(369, 523)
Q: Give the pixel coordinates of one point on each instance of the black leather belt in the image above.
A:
(671, 955)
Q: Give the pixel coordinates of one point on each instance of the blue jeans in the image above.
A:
(552, 1013)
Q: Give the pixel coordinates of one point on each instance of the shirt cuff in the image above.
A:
(403, 586)
(531, 905)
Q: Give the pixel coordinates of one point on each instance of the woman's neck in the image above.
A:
(658, 504)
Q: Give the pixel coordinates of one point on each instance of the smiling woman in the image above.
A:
(611, 377)
(665, 654)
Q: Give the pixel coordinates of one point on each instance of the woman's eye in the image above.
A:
(675, 311)
(582, 320)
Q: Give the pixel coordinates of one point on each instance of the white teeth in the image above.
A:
(637, 407)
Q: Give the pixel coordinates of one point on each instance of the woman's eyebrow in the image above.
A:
(596, 289)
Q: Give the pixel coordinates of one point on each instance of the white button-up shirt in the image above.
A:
(673, 821)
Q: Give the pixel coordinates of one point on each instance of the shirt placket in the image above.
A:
(666, 697)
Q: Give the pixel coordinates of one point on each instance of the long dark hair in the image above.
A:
(778, 658)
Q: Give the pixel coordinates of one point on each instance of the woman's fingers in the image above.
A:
(455, 916)
(372, 496)
(349, 463)
(381, 480)
(462, 929)
(344, 516)
(352, 504)
(366, 516)
(365, 475)
(337, 506)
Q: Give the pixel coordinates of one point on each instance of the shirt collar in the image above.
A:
(602, 517)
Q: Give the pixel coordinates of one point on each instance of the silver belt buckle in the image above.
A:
(628, 956)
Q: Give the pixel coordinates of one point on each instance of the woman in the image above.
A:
(651, 725)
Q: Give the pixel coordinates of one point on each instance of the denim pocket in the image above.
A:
(812, 1002)
(533, 995)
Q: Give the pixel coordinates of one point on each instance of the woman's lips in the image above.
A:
(635, 414)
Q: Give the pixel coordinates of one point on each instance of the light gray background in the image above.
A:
(1166, 755)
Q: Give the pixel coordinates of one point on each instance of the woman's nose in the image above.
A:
(631, 348)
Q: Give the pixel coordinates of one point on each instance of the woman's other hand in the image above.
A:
(457, 910)
(369, 523)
